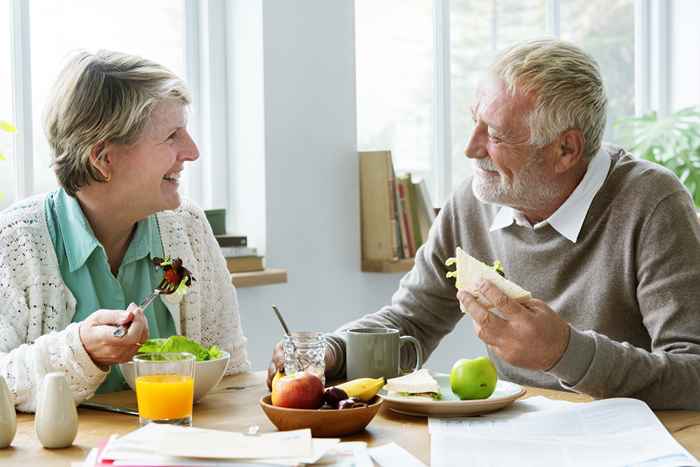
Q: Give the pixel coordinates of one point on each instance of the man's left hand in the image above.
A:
(531, 335)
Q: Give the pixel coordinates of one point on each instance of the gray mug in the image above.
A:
(375, 352)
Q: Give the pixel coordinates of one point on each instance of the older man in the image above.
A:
(609, 244)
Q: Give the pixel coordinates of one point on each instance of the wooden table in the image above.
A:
(234, 407)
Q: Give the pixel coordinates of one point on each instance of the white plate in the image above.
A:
(450, 405)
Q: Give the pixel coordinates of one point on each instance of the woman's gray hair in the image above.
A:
(102, 97)
(568, 89)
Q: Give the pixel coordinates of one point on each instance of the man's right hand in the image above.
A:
(276, 363)
(96, 334)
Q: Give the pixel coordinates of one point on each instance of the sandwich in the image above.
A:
(470, 271)
(417, 384)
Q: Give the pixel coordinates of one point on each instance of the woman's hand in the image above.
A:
(103, 347)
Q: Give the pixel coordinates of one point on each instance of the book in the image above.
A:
(402, 184)
(425, 211)
(418, 236)
(245, 264)
(232, 240)
(232, 251)
(377, 211)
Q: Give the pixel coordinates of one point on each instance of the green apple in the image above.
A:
(473, 379)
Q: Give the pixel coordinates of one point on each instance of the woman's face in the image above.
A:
(146, 174)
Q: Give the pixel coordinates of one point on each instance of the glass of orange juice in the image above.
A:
(165, 387)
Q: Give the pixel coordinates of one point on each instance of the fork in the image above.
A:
(164, 288)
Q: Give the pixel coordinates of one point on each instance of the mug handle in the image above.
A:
(403, 340)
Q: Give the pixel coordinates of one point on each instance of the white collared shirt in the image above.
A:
(568, 219)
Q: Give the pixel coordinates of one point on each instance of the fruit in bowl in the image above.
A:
(338, 411)
(301, 390)
(208, 369)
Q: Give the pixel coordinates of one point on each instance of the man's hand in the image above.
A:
(277, 362)
(530, 335)
(103, 347)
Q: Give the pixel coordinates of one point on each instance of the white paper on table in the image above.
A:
(607, 432)
(347, 454)
(393, 455)
(177, 441)
(518, 408)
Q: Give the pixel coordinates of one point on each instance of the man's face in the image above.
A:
(508, 170)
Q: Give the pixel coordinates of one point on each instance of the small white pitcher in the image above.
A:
(56, 419)
(8, 416)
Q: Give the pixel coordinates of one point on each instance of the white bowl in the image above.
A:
(207, 374)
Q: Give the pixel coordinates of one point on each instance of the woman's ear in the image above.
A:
(100, 158)
(570, 150)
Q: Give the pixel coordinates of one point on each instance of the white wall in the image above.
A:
(685, 44)
(311, 194)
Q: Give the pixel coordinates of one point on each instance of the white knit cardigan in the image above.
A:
(36, 306)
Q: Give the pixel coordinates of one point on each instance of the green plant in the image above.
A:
(9, 128)
(672, 141)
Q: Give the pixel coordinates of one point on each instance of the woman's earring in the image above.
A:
(108, 178)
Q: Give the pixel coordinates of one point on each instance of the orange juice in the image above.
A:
(164, 397)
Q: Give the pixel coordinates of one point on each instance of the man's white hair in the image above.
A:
(567, 86)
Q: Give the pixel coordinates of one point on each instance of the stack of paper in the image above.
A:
(168, 445)
(612, 432)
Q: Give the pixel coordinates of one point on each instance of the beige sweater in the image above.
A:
(629, 287)
(36, 307)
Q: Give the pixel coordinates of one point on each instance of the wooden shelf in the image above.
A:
(257, 278)
(386, 265)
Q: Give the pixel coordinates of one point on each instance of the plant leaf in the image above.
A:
(7, 126)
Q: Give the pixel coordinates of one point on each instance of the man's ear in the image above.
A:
(101, 159)
(570, 151)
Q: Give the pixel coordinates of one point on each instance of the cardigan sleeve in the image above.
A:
(24, 364)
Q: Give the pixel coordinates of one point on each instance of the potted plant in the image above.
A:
(672, 141)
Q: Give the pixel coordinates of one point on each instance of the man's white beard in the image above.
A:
(527, 190)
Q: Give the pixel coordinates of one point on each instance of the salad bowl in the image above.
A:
(207, 373)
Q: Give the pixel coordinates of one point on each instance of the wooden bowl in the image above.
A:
(323, 423)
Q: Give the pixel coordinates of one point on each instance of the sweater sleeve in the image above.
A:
(424, 306)
(668, 273)
(24, 365)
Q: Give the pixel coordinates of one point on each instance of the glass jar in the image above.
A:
(305, 351)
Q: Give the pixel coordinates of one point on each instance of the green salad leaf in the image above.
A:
(181, 344)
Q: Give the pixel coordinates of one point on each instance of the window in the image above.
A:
(7, 173)
(394, 54)
(398, 64)
(60, 27)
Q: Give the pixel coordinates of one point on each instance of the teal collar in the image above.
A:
(79, 239)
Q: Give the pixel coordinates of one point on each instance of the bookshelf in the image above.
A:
(395, 214)
(258, 278)
(386, 265)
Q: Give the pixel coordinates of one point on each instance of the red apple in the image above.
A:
(302, 390)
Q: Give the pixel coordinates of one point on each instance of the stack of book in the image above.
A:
(239, 257)
(396, 209)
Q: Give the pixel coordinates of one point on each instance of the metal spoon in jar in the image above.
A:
(289, 335)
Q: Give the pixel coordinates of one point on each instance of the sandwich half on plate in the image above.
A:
(470, 271)
(419, 384)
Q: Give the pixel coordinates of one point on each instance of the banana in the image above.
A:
(362, 388)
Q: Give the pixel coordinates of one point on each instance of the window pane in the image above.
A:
(7, 172)
(153, 29)
(609, 37)
(478, 30)
(394, 60)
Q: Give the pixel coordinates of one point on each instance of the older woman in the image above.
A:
(74, 262)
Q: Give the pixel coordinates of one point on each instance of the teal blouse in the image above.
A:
(84, 268)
